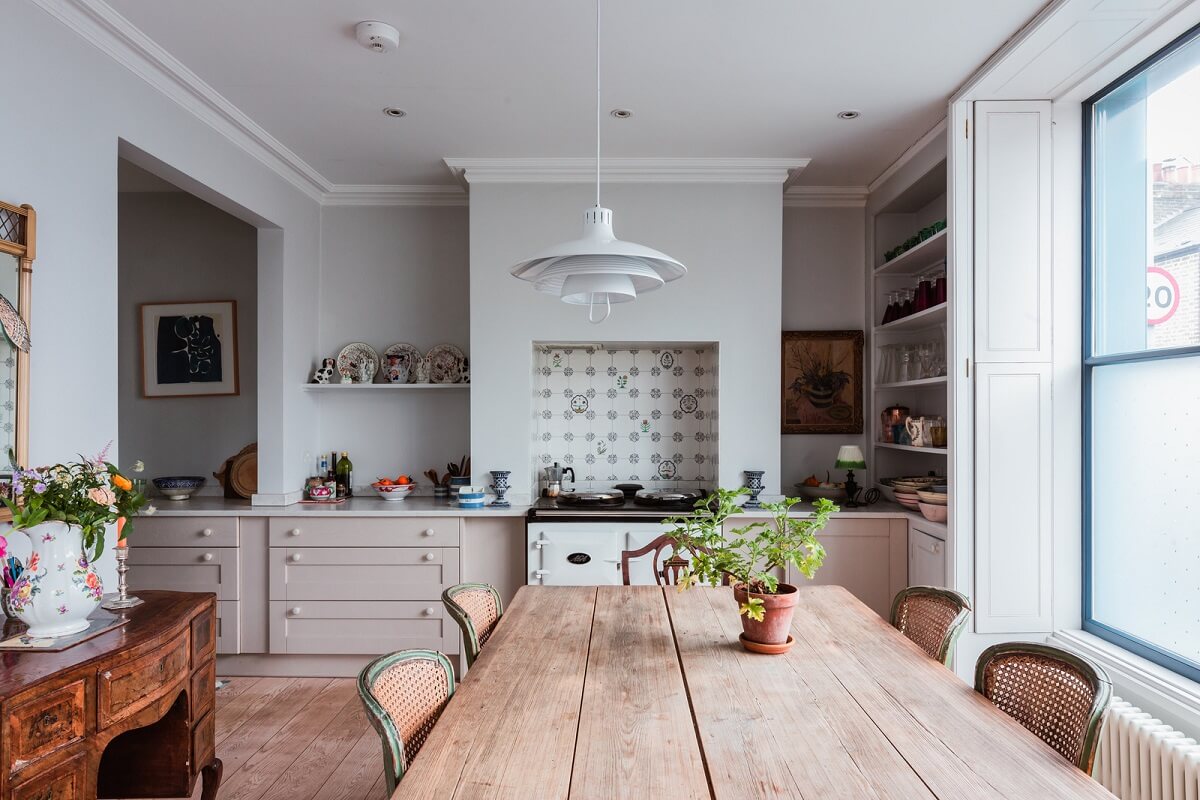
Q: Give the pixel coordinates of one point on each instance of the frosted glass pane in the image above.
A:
(1146, 501)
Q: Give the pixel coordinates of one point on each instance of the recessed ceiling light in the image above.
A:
(621, 113)
(849, 114)
(392, 111)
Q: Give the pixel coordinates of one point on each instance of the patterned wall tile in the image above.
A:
(646, 415)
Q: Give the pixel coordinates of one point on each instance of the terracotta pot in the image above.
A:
(777, 617)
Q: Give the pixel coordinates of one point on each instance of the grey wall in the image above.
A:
(394, 274)
(175, 247)
(823, 289)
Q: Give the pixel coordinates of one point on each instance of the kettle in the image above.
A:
(554, 479)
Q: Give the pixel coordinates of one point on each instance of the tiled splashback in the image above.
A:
(646, 414)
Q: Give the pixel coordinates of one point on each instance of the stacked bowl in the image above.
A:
(471, 496)
(932, 503)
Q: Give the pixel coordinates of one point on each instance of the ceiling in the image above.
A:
(480, 78)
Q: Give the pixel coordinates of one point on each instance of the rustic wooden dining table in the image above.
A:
(644, 692)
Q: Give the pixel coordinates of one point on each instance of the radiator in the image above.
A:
(1140, 758)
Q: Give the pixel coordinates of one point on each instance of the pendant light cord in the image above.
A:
(597, 103)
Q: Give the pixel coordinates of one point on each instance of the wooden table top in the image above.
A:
(600, 692)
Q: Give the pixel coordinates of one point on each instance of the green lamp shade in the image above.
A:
(850, 457)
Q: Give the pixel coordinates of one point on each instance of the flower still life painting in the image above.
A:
(189, 349)
(822, 382)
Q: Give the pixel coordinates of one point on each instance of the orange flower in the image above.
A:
(121, 482)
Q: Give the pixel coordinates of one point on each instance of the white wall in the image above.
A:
(174, 247)
(823, 289)
(76, 107)
(730, 238)
(388, 275)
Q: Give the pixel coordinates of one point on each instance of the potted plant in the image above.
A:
(64, 511)
(751, 558)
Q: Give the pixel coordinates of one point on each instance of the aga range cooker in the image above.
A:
(576, 539)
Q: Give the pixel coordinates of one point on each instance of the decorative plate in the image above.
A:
(408, 356)
(446, 364)
(355, 353)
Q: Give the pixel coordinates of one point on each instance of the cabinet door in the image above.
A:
(357, 628)
(1012, 498)
(926, 559)
(185, 569)
(362, 573)
(868, 557)
(1012, 231)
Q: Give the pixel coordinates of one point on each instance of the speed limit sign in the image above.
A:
(1162, 295)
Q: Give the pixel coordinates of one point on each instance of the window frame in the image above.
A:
(1090, 361)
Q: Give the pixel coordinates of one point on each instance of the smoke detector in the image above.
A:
(378, 37)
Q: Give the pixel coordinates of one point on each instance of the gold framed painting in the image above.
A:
(822, 382)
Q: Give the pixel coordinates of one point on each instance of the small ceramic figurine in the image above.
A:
(324, 372)
(423, 370)
(466, 371)
(396, 371)
(347, 375)
(365, 375)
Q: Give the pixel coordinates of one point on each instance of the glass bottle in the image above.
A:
(906, 306)
(924, 296)
(345, 476)
(939, 287)
(889, 313)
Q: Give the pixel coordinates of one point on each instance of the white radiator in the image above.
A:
(1140, 758)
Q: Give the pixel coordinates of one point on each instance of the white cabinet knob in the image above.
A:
(430, 556)
(294, 532)
(207, 557)
(429, 612)
(294, 611)
(297, 556)
(427, 532)
(206, 532)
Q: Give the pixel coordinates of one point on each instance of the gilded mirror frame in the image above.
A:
(18, 238)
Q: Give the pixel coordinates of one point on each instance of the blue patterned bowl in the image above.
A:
(179, 487)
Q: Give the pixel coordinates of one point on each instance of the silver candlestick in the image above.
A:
(123, 598)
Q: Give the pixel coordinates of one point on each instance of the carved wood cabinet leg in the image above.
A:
(212, 779)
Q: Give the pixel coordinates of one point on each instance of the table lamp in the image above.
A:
(850, 458)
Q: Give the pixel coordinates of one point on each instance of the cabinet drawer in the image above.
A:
(45, 723)
(67, 781)
(203, 689)
(204, 637)
(187, 531)
(204, 737)
(365, 532)
(361, 628)
(186, 569)
(362, 573)
(125, 689)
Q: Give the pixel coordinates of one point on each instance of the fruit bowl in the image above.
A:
(815, 492)
(393, 491)
(179, 487)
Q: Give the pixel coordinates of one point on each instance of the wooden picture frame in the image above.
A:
(821, 382)
(189, 349)
(18, 238)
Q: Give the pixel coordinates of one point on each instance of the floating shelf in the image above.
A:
(938, 381)
(921, 257)
(908, 448)
(928, 318)
(382, 387)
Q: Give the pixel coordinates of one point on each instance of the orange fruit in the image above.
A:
(403, 480)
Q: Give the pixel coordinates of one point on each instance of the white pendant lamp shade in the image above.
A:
(598, 269)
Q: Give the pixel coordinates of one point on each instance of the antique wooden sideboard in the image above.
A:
(129, 713)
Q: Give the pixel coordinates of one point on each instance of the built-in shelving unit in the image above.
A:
(920, 258)
(383, 387)
(908, 448)
(929, 318)
(920, 382)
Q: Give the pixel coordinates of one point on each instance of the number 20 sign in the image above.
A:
(1162, 295)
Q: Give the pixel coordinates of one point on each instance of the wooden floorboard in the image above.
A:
(296, 739)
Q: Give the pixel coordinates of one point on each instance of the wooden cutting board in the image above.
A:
(239, 474)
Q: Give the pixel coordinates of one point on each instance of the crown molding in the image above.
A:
(395, 195)
(909, 154)
(825, 197)
(97, 23)
(625, 170)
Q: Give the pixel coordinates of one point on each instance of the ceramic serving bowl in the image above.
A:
(933, 498)
(471, 496)
(394, 492)
(814, 492)
(179, 487)
(933, 513)
(908, 500)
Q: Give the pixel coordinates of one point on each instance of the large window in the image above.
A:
(1142, 359)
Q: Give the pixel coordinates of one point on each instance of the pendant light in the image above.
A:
(598, 269)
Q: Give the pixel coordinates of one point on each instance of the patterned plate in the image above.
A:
(409, 356)
(355, 353)
(446, 363)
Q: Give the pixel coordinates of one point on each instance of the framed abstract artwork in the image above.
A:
(822, 382)
(189, 349)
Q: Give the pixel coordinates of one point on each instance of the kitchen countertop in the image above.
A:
(881, 509)
(420, 506)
